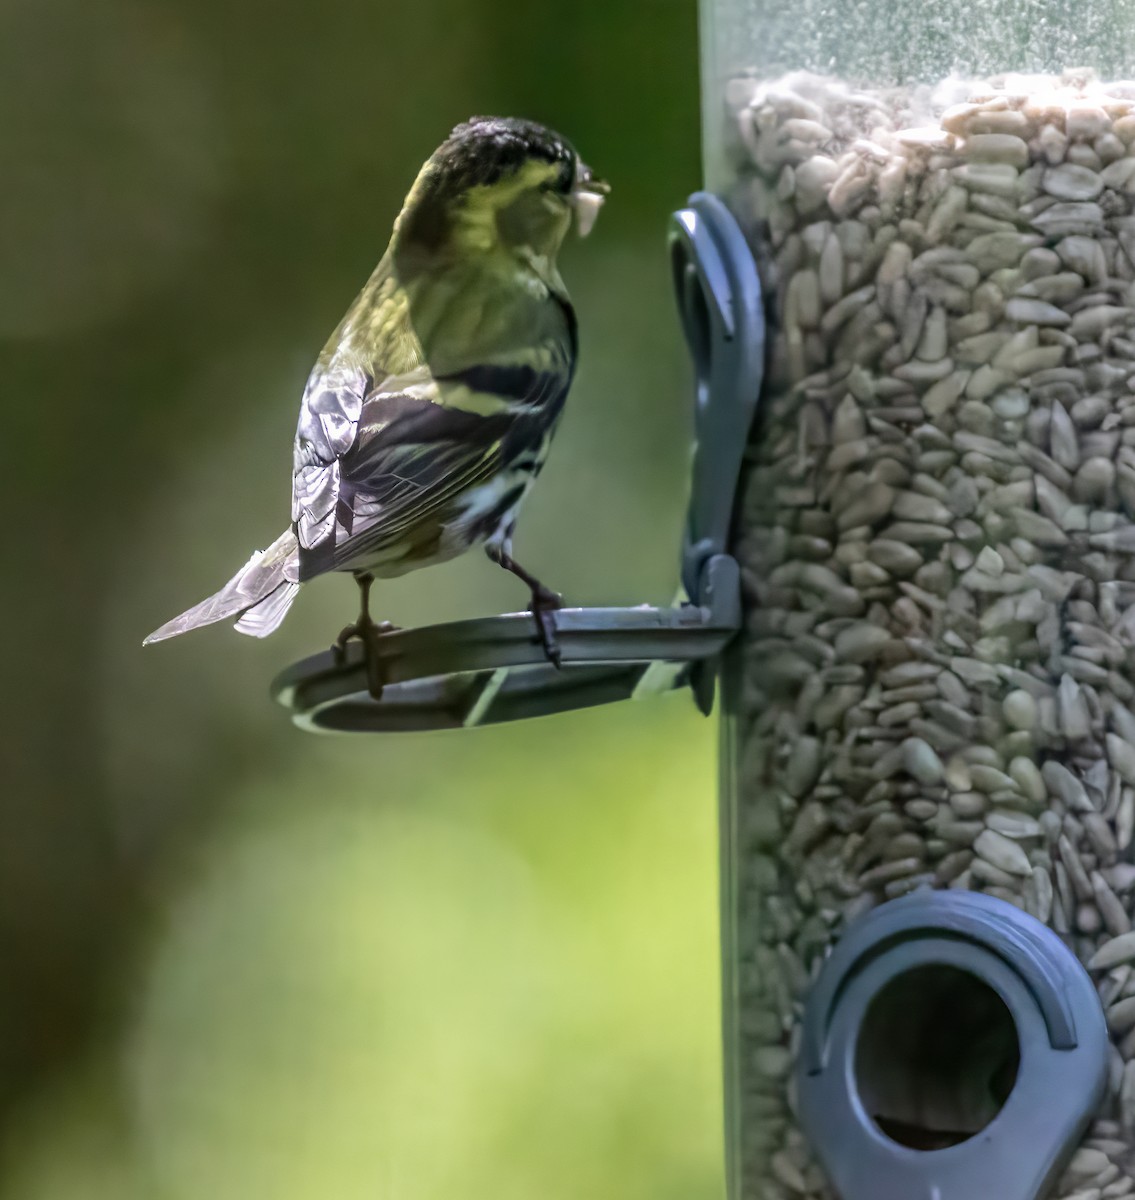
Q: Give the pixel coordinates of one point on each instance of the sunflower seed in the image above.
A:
(1068, 182)
(937, 549)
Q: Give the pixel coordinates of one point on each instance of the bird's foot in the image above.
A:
(368, 632)
(543, 606)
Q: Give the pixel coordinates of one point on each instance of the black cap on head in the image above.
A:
(478, 153)
(482, 150)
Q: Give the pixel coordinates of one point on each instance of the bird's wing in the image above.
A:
(328, 426)
(416, 452)
(380, 451)
(373, 461)
(369, 353)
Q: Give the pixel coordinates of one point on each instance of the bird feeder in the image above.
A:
(927, 821)
(910, 559)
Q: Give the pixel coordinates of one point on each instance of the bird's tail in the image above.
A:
(260, 594)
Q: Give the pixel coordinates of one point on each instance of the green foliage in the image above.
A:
(245, 962)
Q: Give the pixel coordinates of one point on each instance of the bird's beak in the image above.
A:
(587, 199)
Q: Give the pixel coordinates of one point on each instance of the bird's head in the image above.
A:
(499, 183)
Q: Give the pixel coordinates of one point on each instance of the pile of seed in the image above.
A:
(937, 538)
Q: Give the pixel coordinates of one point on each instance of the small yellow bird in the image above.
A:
(429, 414)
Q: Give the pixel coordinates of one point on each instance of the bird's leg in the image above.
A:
(367, 630)
(542, 605)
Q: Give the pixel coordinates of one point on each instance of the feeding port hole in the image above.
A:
(936, 1057)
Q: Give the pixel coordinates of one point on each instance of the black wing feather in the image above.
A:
(408, 464)
(377, 465)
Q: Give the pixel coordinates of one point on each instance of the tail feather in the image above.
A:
(260, 593)
(264, 618)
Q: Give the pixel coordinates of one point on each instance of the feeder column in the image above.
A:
(934, 689)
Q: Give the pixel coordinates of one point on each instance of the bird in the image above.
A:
(430, 411)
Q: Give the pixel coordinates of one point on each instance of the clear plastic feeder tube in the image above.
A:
(906, 44)
(935, 687)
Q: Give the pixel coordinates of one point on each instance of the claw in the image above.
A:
(367, 631)
(543, 606)
(544, 597)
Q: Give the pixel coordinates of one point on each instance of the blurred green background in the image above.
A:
(240, 961)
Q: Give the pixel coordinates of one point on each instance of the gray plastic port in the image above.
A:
(953, 1048)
